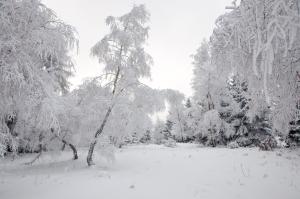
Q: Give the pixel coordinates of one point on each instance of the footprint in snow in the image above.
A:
(288, 157)
(132, 186)
(264, 163)
(241, 183)
(265, 175)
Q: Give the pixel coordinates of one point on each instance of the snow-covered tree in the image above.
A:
(131, 113)
(258, 41)
(160, 132)
(125, 62)
(204, 77)
(146, 137)
(236, 105)
(265, 36)
(210, 126)
(177, 119)
(210, 95)
(34, 67)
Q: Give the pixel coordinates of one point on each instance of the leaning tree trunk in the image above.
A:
(89, 158)
(75, 155)
(63, 147)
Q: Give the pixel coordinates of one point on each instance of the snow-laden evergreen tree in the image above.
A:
(189, 115)
(204, 77)
(294, 134)
(34, 68)
(236, 108)
(160, 132)
(125, 62)
(146, 137)
(177, 123)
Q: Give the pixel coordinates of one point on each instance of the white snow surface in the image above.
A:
(156, 172)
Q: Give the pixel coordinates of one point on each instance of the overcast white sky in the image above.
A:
(177, 29)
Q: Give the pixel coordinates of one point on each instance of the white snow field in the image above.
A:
(156, 172)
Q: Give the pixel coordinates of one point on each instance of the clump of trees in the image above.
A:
(34, 67)
(246, 82)
(37, 110)
(246, 77)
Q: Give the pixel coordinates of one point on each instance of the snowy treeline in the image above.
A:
(246, 82)
(38, 111)
(246, 79)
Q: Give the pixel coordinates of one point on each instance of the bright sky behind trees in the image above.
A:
(177, 29)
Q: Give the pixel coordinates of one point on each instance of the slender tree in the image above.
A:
(125, 60)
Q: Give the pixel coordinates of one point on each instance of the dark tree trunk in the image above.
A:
(211, 105)
(75, 154)
(11, 122)
(63, 147)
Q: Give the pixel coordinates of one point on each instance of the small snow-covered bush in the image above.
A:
(233, 145)
(212, 128)
(169, 143)
(2, 145)
(280, 142)
(106, 151)
(268, 144)
(244, 142)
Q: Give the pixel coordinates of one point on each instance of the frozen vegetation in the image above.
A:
(100, 140)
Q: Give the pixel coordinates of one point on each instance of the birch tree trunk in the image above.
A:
(94, 142)
(89, 158)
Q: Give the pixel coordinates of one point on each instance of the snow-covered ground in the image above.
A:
(156, 172)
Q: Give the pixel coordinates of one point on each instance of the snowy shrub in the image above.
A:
(161, 133)
(233, 145)
(280, 142)
(3, 144)
(268, 144)
(244, 142)
(169, 143)
(211, 126)
(293, 137)
(146, 138)
(105, 150)
(179, 121)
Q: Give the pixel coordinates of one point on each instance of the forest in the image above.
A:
(246, 91)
